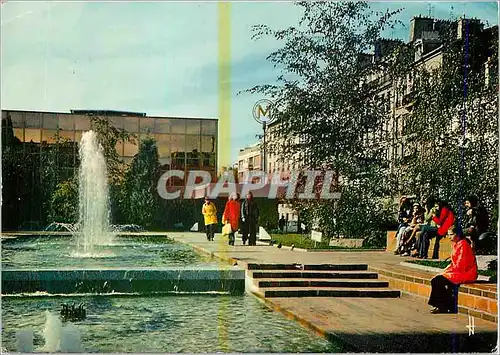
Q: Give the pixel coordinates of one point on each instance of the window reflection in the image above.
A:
(32, 120)
(49, 136)
(209, 127)
(67, 122)
(178, 160)
(178, 143)
(207, 144)
(32, 135)
(49, 120)
(146, 125)
(66, 136)
(193, 127)
(162, 125)
(192, 143)
(163, 145)
(178, 126)
(17, 119)
(78, 137)
(131, 124)
(116, 122)
(19, 134)
(82, 123)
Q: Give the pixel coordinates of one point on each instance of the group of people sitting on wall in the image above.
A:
(419, 223)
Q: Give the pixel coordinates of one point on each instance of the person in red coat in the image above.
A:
(444, 219)
(232, 215)
(463, 269)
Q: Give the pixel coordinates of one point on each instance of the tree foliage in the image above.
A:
(451, 131)
(64, 202)
(322, 108)
(140, 200)
(328, 115)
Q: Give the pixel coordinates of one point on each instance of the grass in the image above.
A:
(443, 264)
(303, 242)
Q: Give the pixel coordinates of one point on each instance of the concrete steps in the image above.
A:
(277, 274)
(317, 280)
(380, 292)
(307, 267)
(320, 283)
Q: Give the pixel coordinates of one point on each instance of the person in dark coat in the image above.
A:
(281, 223)
(250, 219)
(476, 220)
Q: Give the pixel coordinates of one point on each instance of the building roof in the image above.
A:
(111, 113)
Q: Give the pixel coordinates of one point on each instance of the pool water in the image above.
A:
(35, 252)
(184, 324)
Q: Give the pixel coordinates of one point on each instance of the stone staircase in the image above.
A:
(322, 280)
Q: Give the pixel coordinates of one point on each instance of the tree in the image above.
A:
(140, 198)
(452, 127)
(64, 202)
(322, 108)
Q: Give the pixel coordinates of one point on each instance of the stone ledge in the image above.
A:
(123, 281)
(477, 306)
(444, 245)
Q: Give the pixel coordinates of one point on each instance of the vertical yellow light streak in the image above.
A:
(224, 61)
(224, 148)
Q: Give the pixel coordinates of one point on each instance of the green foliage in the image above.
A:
(328, 116)
(319, 99)
(452, 126)
(140, 200)
(64, 202)
(268, 213)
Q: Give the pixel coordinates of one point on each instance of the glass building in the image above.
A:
(183, 143)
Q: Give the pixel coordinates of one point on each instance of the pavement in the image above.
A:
(363, 324)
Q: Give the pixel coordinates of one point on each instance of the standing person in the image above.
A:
(476, 220)
(209, 212)
(444, 218)
(281, 223)
(463, 269)
(232, 215)
(250, 218)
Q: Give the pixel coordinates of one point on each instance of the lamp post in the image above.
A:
(257, 112)
(264, 147)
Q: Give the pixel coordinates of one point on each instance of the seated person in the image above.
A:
(404, 217)
(406, 238)
(428, 223)
(463, 269)
(476, 220)
(444, 219)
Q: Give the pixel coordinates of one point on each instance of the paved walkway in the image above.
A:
(367, 325)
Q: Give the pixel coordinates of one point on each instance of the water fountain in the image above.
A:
(93, 196)
(125, 293)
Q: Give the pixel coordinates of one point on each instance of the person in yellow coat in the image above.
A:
(210, 215)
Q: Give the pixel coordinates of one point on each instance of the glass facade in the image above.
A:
(183, 143)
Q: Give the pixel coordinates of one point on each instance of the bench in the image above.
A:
(445, 246)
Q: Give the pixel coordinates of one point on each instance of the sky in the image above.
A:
(160, 58)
